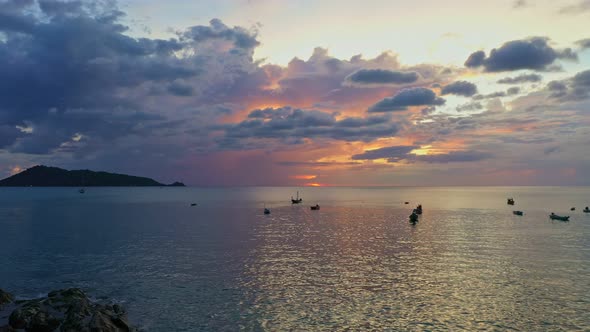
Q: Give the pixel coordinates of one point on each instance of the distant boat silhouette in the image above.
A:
(418, 209)
(573, 209)
(554, 216)
(518, 213)
(193, 204)
(510, 201)
(586, 210)
(316, 207)
(414, 217)
(266, 211)
(297, 200)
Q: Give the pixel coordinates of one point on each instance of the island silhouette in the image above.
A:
(46, 176)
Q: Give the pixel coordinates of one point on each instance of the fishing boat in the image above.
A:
(266, 211)
(586, 210)
(193, 204)
(413, 217)
(297, 200)
(554, 216)
(573, 209)
(518, 213)
(406, 202)
(315, 207)
(418, 209)
(510, 201)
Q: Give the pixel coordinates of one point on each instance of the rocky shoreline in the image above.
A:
(65, 310)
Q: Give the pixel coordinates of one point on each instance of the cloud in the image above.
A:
(473, 106)
(382, 76)
(460, 88)
(523, 78)
(452, 157)
(292, 126)
(402, 152)
(180, 89)
(578, 8)
(239, 36)
(583, 43)
(315, 164)
(64, 82)
(572, 89)
(517, 4)
(513, 91)
(582, 79)
(406, 98)
(551, 149)
(533, 53)
(557, 89)
(390, 152)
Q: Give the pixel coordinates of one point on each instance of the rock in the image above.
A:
(33, 318)
(5, 298)
(67, 310)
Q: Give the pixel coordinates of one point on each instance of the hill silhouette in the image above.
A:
(45, 176)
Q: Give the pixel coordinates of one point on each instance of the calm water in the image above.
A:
(356, 264)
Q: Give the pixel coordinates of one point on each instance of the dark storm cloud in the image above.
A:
(533, 53)
(382, 76)
(180, 89)
(406, 98)
(291, 125)
(460, 88)
(524, 78)
(53, 7)
(390, 152)
(68, 67)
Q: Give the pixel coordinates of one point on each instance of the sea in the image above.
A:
(357, 264)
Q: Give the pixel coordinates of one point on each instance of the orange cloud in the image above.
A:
(303, 177)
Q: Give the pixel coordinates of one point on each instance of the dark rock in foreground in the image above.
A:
(44, 176)
(65, 310)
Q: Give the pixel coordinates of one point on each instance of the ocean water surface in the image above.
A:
(357, 264)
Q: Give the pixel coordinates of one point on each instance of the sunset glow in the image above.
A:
(238, 96)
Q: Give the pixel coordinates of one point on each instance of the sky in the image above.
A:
(299, 93)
